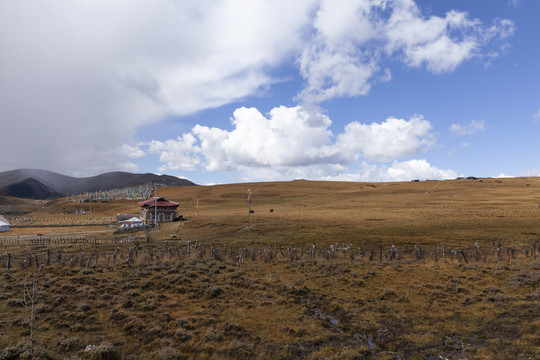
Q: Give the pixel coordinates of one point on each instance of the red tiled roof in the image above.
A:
(162, 202)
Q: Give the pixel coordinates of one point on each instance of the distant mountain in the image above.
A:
(29, 189)
(67, 185)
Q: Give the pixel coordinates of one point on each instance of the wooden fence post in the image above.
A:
(130, 254)
(114, 255)
(462, 252)
(89, 259)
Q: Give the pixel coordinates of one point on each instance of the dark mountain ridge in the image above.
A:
(67, 185)
(29, 189)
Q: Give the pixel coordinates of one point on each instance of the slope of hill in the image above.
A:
(456, 211)
(66, 185)
(29, 189)
(320, 270)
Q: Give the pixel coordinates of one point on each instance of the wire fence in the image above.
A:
(140, 251)
(62, 240)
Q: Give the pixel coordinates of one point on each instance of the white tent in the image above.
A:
(4, 225)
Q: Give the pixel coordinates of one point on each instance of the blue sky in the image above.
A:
(233, 91)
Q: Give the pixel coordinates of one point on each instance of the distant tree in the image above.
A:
(30, 297)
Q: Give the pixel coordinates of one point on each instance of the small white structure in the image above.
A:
(4, 225)
(132, 223)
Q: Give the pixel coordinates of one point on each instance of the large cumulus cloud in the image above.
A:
(296, 142)
(79, 78)
(82, 76)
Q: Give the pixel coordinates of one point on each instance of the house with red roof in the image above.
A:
(164, 209)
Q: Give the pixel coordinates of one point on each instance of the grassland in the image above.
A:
(249, 288)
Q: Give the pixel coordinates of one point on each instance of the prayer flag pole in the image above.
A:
(249, 205)
(155, 205)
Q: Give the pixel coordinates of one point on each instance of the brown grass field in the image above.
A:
(223, 286)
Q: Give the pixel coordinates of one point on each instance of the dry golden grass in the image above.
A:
(304, 211)
(169, 305)
(427, 212)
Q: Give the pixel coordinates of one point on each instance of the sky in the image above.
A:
(239, 91)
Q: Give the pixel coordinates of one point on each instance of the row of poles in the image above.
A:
(233, 252)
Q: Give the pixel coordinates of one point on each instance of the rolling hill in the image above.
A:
(67, 185)
(29, 189)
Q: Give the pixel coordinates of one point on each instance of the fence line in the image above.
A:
(62, 240)
(143, 254)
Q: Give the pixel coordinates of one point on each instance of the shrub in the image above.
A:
(533, 296)
(11, 353)
(498, 298)
(183, 323)
(105, 351)
(523, 279)
(22, 351)
(70, 343)
(214, 291)
(84, 307)
(167, 353)
(388, 294)
(133, 326)
(133, 293)
(59, 300)
(43, 309)
(156, 330)
(14, 302)
(118, 315)
(182, 335)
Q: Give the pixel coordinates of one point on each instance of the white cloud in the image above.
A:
(129, 167)
(531, 172)
(85, 75)
(398, 171)
(439, 43)
(354, 38)
(116, 161)
(339, 61)
(285, 173)
(287, 137)
(291, 143)
(389, 140)
(177, 154)
(537, 116)
(333, 74)
(471, 128)
(132, 152)
(82, 76)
